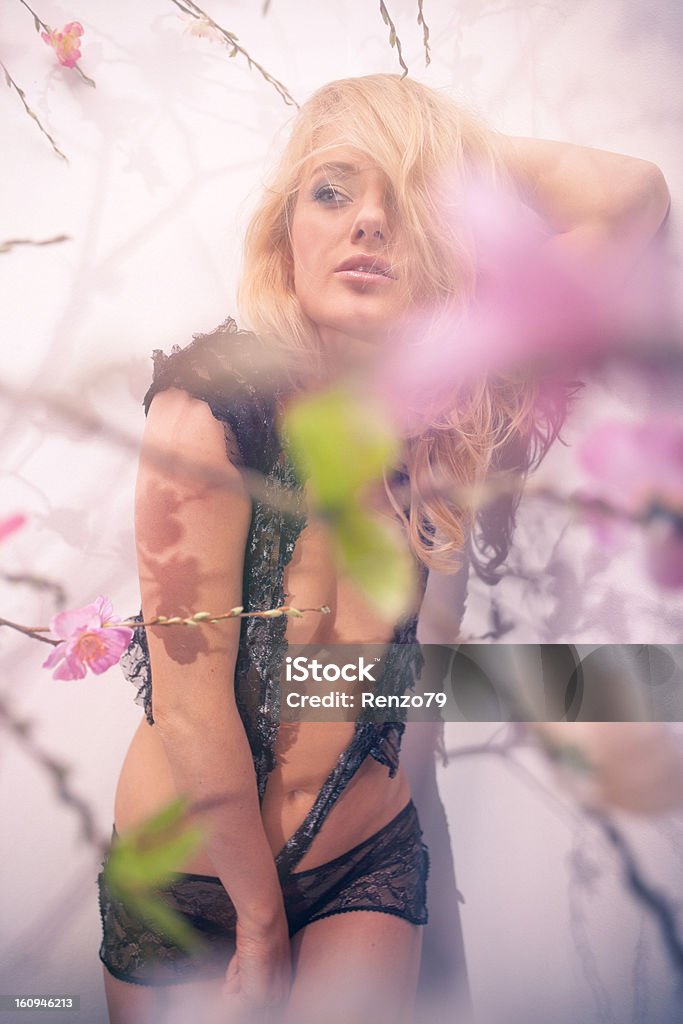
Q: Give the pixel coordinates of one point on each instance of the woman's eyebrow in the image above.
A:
(335, 167)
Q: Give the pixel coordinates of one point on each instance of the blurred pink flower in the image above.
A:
(9, 525)
(664, 550)
(66, 43)
(89, 642)
(636, 465)
(538, 301)
(638, 468)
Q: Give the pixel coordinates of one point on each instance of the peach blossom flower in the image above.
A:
(88, 641)
(66, 43)
(201, 28)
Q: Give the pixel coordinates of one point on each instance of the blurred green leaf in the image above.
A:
(377, 560)
(340, 443)
(148, 857)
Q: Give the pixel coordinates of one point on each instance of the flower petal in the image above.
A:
(69, 666)
(66, 624)
(10, 524)
(105, 609)
(113, 642)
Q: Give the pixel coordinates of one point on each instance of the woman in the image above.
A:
(347, 240)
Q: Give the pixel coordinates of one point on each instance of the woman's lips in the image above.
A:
(365, 277)
(366, 270)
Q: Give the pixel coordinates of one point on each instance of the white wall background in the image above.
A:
(166, 156)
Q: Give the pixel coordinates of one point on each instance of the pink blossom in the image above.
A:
(538, 300)
(89, 642)
(664, 551)
(66, 43)
(635, 465)
(201, 27)
(638, 468)
(10, 524)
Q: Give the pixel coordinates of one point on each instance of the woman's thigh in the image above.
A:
(167, 1004)
(358, 966)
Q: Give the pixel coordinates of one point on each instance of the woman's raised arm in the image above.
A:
(191, 535)
(599, 203)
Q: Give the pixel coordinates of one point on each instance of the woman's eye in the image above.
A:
(329, 194)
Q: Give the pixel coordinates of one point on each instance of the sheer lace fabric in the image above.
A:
(386, 872)
(223, 369)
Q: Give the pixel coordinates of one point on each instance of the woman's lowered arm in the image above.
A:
(191, 536)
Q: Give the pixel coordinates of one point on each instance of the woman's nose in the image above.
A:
(370, 222)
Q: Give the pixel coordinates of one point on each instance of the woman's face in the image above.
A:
(346, 249)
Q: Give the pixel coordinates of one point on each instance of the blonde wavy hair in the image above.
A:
(421, 140)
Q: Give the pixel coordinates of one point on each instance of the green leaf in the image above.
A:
(154, 852)
(36, 23)
(148, 857)
(340, 442)
(377, 561)
(392, 38)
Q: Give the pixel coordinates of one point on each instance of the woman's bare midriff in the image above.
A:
(369, 801)
(305, 752)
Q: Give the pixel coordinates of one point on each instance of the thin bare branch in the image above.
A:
(37, 583)
(22, 731)
(425, 31)
(20, 92)
(189, 7)
(198, 617)
(32, 631)
(86, 78)
(11, 243)
(394, 41)
(38, 22)
(652, 900)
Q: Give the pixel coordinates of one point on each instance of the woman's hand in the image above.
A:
(259, 975)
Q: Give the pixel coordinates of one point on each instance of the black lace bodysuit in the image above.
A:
(206, 369)
(220, 369)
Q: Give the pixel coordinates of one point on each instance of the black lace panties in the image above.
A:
(386, 873)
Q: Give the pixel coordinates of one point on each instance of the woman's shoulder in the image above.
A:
(228, 369)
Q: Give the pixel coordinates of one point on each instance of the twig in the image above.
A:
(34, 632)
(275, 495)
(425, 31)
(394, 41)
(266, 7)
(38, 583)
(644, 893)
(12, 84)
(234, 613)
(653, 901)
(175, 620)
(59, 772)
(39, 23)
(10, 243)
(189, 7)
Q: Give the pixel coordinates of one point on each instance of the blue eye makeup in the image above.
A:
(329, 194)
